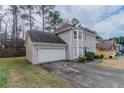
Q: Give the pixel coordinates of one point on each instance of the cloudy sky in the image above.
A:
(108, 21)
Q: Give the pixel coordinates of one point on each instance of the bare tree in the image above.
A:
(5, 35)
(28, 16)
(43, 11)
(14, 10)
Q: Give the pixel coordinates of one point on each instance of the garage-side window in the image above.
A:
(75, 51)
(80, 51)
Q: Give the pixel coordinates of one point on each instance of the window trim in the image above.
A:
(75, 54)
(81, 35)
(75, 35)
(80, 51)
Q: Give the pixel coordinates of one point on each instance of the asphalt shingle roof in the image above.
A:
(39, 36)
(105, 45)
(60, 29)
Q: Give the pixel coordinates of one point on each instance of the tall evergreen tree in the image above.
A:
(56, 20)
(75, 22)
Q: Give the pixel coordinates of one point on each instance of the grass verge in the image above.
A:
(15, 72)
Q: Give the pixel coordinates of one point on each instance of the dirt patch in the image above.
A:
(114, 63)
(14, 75)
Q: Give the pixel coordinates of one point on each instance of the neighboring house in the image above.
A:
(106, 48)
(66, 43)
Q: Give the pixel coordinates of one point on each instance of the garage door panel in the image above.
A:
(51, 54)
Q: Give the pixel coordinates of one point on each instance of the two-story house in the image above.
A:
(66, 43)
(79, 41)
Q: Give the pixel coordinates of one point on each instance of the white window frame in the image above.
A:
(75, 52)
(80, 49)
(75, 36)
(80, 33)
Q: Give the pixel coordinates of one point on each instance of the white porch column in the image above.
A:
(77, 43)
(82, 43)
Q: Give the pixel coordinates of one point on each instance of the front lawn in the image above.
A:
(15, 72)
(117, 63)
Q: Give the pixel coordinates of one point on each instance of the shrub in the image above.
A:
(90, 55)
(97, 57)
(110, 56)
(12, 52)
(82, 58)
(101, 56)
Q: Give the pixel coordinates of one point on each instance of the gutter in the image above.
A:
(42, 43)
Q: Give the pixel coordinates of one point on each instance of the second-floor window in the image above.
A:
(75, 34)
(80, 51)
(80, 35)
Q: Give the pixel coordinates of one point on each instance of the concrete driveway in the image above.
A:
(87, 75)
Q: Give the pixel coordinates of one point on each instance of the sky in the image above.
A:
(107, 21)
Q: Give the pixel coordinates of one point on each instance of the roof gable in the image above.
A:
(65, 27)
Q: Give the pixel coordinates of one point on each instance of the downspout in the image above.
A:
(77, 43)
(70, 43)
(83, 42)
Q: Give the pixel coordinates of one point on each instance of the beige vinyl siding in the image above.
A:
(106, 53)
(29, 50)
(66, 37)
(89, 41)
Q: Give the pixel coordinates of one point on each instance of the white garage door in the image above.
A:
(51, 54)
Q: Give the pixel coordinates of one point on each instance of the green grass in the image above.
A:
(3, 79)
(15, 72)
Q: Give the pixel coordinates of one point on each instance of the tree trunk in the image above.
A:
(5, 36)
(22, 31)
(54, 28)
(43, 18)
(16, 27)
(49, 24)
(13, 30)
(30, 19)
